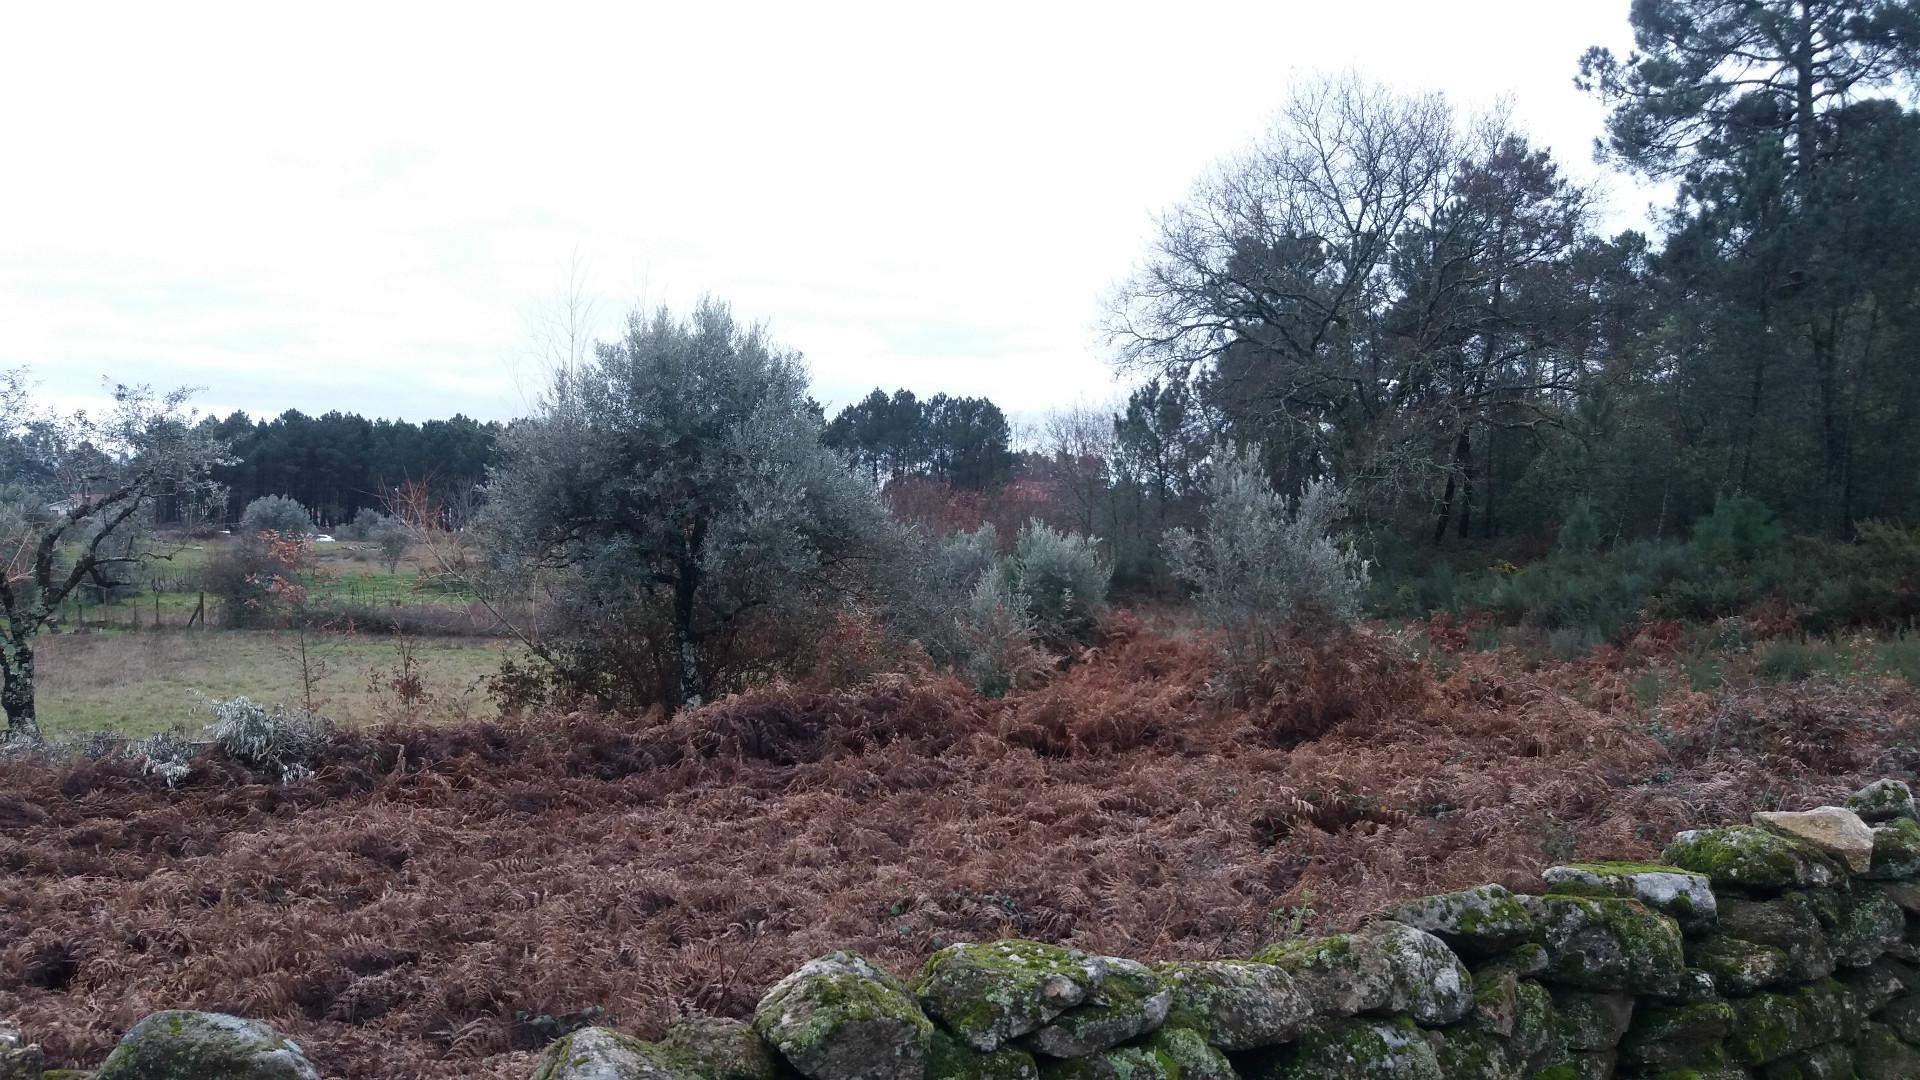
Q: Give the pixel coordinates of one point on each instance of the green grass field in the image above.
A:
(138, 684)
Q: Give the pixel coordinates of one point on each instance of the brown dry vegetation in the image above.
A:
(439, 900)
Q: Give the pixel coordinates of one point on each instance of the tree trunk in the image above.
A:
(16, 695)
(691, 685)
(1462, 452)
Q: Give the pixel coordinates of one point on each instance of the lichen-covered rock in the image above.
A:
(950, 1059)
(1880, 1055)
(841, 1018)
(1116, 1063)
(1604, 943)
(1832, 1061)
(19, 1059)
(1684, 895)
(988, 994)
(1896, 850)
(1769, 1026)
(1791, 923)
(1584, 1065)
(1833, 829)
(1592, 1022)
(1672, 1036)
(1512, 1032)
(205, 1046)
(1356, 1050)
(1903, 1016)
(1189, 1054)
(1904, 893)
(1130, 1001)
(1740, 967)
(1748, 857)
(1475, 922)
(721, 1049)
(1522, 962)
(1235, 1005)
(597, 1053)
(1875, 987)
(1883, 800)
(1384, 966)
(1866, 926)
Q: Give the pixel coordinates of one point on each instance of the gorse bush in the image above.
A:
(1262, 569)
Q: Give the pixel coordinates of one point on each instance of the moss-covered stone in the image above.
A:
(988, 994)
(1791, 923)
(720, 1049)
(842, 1018)
(1475, 922)
(1116, 1063)
(1904, 893)
(1675, 1036)
(19, 1059)
(1522, 962)
(1355, 1050)
(1189, 1054)
(1683, 895)
(1868, 924)
(1747, 857)
(598, 1053)
(1597, 943)
(1831, 1061)
(1512, 1032)
(1592, 1022)
(1131, 1001)
(1896, 850)
(1879, 1054)
(1903, 1016)
(1583, 1065)
(1875, 986)
(950, 1059)
(1740, 967)
(1883, 800)
(1769, 1026)
(1235, 1005)
(177, 1045)
(1833, 829)
(1383, 967)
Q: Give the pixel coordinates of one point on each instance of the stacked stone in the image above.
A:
(1788, 949)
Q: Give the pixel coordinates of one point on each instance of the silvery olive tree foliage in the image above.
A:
(76, 492)
(1263, 568)
(992, 617)
(279, 740)
(672, 495)
(277, 514)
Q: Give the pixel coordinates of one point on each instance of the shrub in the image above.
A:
(278, 515)
(1740, 529)
(283, 742)
(394, 539)
(1062, 580)
(996, 632)
(1580, 532)
(364, 523)
(1262, 569)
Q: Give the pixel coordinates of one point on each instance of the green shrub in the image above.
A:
(1740, 529)
(1063, 580)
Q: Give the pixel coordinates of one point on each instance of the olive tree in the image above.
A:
(674, 490)
(75, 493)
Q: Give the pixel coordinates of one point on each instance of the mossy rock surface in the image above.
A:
(1831, 1061)
(1235, 1005)
(1875, 986)
(842, 1018)
(1879, 1054)
(1883, 800)
(1356, 1049)
(1524, 962)
(950, 1059)
(1592, 1022)
(1677, 1036)
(1131, 1001)
(1513, 1031)
(1896, 850)
(1740, 967)
(1384, 967)
(1599, 943)
(598, 1053)
(1115, 1063)
(1687, 897)
(179, 1045)
(1748, 857)
(990, 993)
(721, 1049)
(1769, 1026)
(1475, 923)
(1189, 1055)
(1868, 924)
(1795, 923)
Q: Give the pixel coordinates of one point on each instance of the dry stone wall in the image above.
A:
(1788, 949)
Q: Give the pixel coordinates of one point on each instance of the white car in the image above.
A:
(323, 538)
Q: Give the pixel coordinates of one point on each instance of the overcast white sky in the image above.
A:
(362, 207)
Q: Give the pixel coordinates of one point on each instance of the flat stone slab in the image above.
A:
(1834, 830)
(1683, 894)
